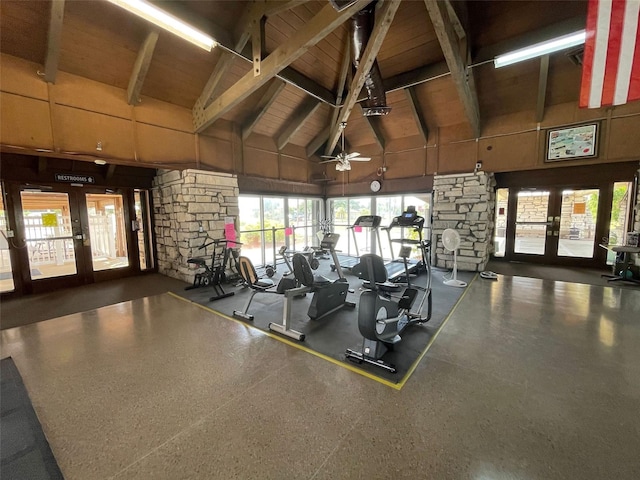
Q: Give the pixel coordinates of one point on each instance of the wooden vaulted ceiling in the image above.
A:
(433, 56)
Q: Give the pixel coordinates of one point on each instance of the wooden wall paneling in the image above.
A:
(624, 139)
(405, 144)
(163, 114)
(293, 169)
(25, 122)
(510, 123)
(457, 157)
(216, 153)
(454, 133)
(79, 92)
(23, 29)
(512, 152)
(162, 145)
(405, 164)
(79, 131)
(20, 77)
(260, 163)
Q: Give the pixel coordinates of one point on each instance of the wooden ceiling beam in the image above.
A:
(384, 16)
(141, 67)
(315, 30)
(54, 40)
(542, 87)
(300, 117)
(460, 73)
(261, 108)
(317, 142)
(241, 36)
(257, 43)
(417, 113)
(274, 7)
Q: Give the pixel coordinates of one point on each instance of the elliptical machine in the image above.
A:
(382, 317)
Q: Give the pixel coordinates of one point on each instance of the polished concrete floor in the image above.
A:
(528, 379)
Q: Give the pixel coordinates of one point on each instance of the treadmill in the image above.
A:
(372, 222)
(396, 268)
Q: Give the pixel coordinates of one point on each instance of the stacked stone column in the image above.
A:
(187, 205)
(465, 203)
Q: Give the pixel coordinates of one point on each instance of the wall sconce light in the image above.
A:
(100, 162)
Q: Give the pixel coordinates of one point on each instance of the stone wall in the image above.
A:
(466, 203)
(187, 205)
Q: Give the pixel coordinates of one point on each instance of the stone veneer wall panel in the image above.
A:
(466, 203)
(184, 201)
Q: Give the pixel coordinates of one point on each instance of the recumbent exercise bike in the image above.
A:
(382, 317)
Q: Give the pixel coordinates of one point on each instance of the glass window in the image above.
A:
(500, 237)
(294, 221)
(107, 230)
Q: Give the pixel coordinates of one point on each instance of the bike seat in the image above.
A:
(201, 262)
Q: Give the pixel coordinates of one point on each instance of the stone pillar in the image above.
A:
(466, 203)
(183, 202)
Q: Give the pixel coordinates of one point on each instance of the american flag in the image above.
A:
(611, 65)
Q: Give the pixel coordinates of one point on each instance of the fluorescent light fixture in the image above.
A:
(539, 49)
(167, 21)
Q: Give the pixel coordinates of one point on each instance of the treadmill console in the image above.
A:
(368, 221)
(409, 218)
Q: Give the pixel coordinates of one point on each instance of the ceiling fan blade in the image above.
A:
(360, 159)
(352, 155)
(330, 160)
(328, 156)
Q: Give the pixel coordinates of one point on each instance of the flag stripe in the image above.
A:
(627, 47)
(599, 52)
(587, 60)
(613, 51)
(634, 82)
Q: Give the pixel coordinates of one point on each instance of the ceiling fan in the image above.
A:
(343, 158)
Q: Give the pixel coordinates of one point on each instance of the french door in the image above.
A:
(70, 236)
(554, 225)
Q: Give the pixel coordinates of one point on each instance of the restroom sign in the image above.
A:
(74, 178)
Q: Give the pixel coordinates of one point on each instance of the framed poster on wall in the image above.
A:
(572, 143)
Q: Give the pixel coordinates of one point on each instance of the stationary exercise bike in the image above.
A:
(329, 296)
(383, 316)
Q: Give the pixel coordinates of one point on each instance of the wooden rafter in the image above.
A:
(542, 87)
(141, 67)
(302, 114)
(315, 30)
(456, 60)
(317, 142)
(384, 17)
(417, 113)
(261, 108)
(54, 39)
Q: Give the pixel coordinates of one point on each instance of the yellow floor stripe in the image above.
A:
(299, 346)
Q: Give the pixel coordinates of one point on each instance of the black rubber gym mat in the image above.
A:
(332, 335)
